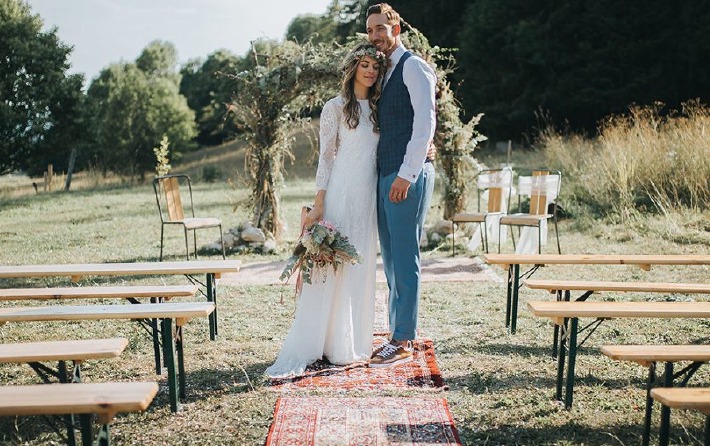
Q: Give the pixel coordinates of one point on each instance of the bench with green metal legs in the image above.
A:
(682, 398)
(512, 264)
(85, 400)
(567, 314)
(649, 356)
(172, 343)
(35, 354)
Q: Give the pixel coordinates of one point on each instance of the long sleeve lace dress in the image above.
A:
(335, 318)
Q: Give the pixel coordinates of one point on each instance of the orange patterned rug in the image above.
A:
(362, 421)
(422, 373)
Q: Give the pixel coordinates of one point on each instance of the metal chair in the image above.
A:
(497, 184)
(170, 208)
(542, 188)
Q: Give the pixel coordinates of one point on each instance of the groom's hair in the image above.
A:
(393, 17)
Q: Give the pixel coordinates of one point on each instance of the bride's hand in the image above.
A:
(314, 215)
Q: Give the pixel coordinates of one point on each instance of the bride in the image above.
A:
(334, 318)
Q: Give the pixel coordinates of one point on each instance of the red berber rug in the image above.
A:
(362, 421)
(421, 374)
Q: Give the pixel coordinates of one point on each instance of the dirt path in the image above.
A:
(456, 269)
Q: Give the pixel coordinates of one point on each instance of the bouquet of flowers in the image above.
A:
(320, 246)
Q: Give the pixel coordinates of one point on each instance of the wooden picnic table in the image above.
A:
(181, 312)
(213, 269)
(512, 262)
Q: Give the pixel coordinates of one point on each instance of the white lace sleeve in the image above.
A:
(329, 123)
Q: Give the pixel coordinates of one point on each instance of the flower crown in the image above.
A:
(370, 51)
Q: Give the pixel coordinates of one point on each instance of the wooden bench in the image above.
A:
(566, 315)
(560, 286)
(77, 351)
(84, 399)
(563, 289)
(648, 356)
(182, 313)
(156, 293)
(682, 398)
(213, 269)
(165, 292)
(511, 264)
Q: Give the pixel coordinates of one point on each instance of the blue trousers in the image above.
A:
(400, 227)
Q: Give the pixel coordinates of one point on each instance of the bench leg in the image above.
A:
(514, 304)
(212, 297)
(646, 438)
(63, 375)
(103, 438)
(665, 428)
(169, 354)
(180, 360)
(87, 437)
(156, 341)
(561, 354)
(509, 295)
(571, 361)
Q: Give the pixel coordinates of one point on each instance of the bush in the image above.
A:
(211, 174)
(643, 161)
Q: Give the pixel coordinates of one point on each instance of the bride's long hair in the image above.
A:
(351, 108)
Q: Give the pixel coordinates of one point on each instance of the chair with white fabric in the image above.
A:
(494, 186)
(542, 188)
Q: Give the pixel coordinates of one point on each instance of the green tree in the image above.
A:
(579, 61)
(132, 110)
(209, 94)
(158, 59)
(317, 28)
(40, 104)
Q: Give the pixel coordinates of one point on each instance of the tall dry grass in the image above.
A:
(643, 161)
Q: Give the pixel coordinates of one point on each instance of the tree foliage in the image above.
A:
(209, 94)
(133, 109)
(41, 105)
(283, 80)
(580, 61)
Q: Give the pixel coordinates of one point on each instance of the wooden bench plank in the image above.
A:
(576, 309)
(69, 350)
(138, 291)
(105, 399)
(683, 397)
(79, 270)
(651, 287)
(512, 264)
(645, 354)
(596, 259)
(178, 311)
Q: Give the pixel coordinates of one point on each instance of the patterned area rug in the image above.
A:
(421, 374)
(362, 421)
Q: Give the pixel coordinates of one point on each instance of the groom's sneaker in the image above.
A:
(391, 355)
(377, 350)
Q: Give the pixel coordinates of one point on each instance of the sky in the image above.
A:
(108, 31)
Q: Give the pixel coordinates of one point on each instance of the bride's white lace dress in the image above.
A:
(335, 318)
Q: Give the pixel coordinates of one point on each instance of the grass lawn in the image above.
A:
(501, 385)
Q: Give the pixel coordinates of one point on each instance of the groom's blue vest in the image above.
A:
(396, 117)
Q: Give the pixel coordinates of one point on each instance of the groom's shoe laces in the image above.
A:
(387, 350)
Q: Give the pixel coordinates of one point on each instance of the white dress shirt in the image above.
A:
(420, 80)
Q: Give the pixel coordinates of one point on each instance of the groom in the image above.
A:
(407, 122)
